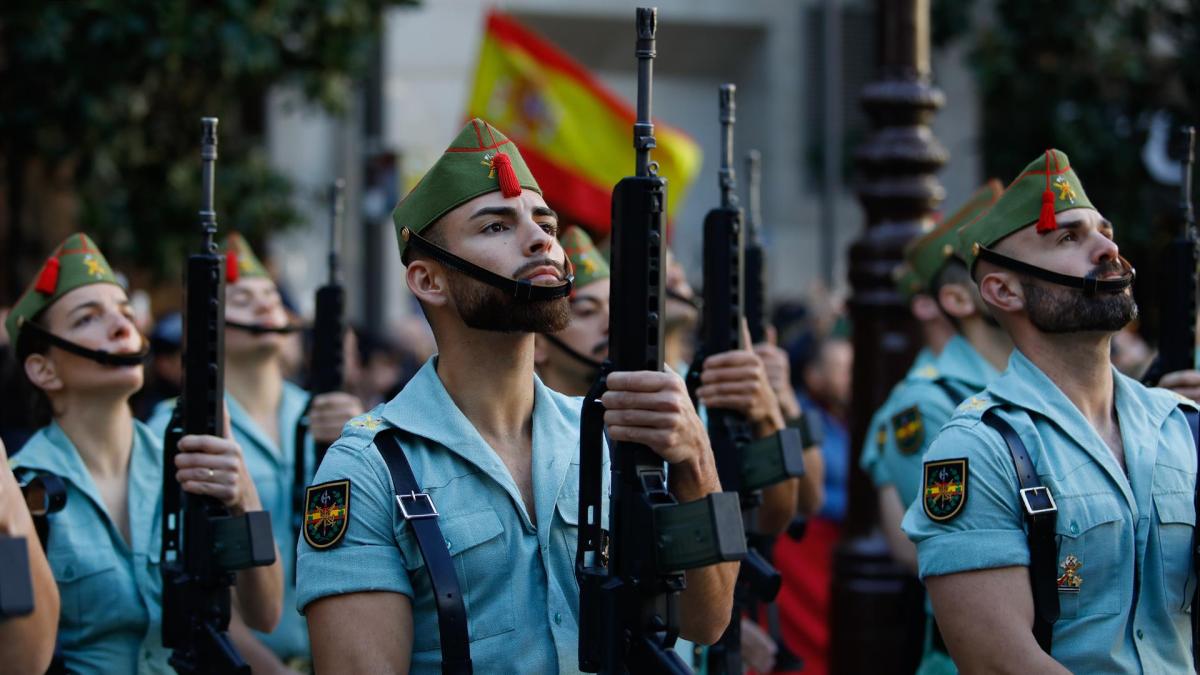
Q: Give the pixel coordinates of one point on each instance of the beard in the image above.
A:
(483, 307)
(1055, 309)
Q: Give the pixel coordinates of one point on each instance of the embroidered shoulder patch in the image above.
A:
(881, 437)
(326, 513)
(944, 491)
(909, 430)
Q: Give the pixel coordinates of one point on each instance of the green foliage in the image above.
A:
(117, 87)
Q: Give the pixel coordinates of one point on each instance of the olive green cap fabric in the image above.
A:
(76, 262)
(585, 258)
(907, 283)
(479, 161)
(927, 254)
(240, 261)
(1021, 204)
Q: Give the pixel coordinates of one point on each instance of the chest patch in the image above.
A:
(909, 430)
(944, 490)
(1070, 581)
(326, 513)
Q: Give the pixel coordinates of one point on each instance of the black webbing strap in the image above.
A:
(1090, 285)
(1193, 420)
(569, 351)
(104, 358)
(255, 329)
(1041, 516)
(521, 289)
(950, 391)
(417, 508)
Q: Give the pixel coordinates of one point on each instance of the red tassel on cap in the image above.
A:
(509, 185)
(1046, 221)
(47, 281)
(231, 267)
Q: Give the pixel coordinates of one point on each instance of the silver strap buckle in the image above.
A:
(417, 499)
(1038, 496)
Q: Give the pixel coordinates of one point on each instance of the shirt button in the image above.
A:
(1140, 634)
(1074, 527)
(558, 618)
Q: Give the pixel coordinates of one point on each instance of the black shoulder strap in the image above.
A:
(417, 508)
(1041, 516)
(1193, 420)
(950, 391)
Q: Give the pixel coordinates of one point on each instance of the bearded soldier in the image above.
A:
(1055, 521)
(479, 448)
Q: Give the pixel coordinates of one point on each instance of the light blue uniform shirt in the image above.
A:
(111, 591)
(1131, 530)
(958, 368)
(271, 468)
(518, 579)
(870, 459)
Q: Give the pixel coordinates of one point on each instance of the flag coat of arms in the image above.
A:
(575, 135)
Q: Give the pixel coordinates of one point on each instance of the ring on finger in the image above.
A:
(211, 473)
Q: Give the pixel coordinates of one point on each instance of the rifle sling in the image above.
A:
(1041, 516)
(418, 509)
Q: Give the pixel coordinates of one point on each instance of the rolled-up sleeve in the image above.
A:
(988, 532)
(367, 558)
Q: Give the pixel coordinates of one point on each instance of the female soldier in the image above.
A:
(75, 338)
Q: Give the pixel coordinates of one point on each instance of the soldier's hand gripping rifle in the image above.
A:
(328, 354)
(630, 575)
(744, 464)
(1177, 325)
(202, 543)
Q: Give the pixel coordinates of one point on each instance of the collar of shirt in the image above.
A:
(1141, 413)
(959, 361)
(424, 408)
(51, 451)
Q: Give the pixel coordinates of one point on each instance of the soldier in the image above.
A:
(484, 444)
(75, 338)
(1055, 524)
(264, 409)
(569, 361)
(26, 643)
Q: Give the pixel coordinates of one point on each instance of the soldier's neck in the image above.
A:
(101, 428)
(563, 382)
(489, 376)
(992, 343)
(256, 383)
(1079, 364)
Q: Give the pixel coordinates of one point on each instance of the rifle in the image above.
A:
(325, 371)
(630, 575)
(754, 260)
(743, 464)
(202, 544)
(16, 584)
(1177, 323)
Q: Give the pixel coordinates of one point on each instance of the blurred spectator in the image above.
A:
(807, 565)
(164, 377)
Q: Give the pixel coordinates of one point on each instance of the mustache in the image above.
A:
(1114, 266)
(534, 264)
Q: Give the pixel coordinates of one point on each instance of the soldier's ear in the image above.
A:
(427, 280)
(956, 300)
(43, 372)
(1002, 291)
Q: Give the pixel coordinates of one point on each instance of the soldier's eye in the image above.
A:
(550, 228)
(494, 227)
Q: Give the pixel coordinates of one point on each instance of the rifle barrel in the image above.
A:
(208, 157)
(726, 173)
(643, 128)
(338, 197)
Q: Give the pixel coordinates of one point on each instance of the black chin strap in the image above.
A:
(693, 301)
(589, 362)
(98, 355)
(1090, 285)
(262, 330)
(520, 289)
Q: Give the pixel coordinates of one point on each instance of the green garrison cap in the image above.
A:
(479, 161)
(76, 262)
(240, 261)
(1047, 186)
(585, 258)
(928, 253)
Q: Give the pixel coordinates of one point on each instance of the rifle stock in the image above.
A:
(1177, 326)
(631, 574)
(202, 544)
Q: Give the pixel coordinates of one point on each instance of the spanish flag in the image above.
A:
(575, 134)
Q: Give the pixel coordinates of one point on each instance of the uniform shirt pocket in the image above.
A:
(86, 586)
(1089, 563)
(1176, 530)
(481, 561)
